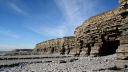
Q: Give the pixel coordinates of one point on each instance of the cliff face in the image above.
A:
(100, 35)
(106, 33)
(64, 45)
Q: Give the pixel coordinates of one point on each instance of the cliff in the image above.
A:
(64, 45)
(100, 35)
(106, 33)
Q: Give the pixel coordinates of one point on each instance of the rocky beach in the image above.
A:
(100, 44)
(54, 63)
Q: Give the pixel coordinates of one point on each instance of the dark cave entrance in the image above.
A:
(52, 50)
(81, 46)
(89, 48)
(62, 51)
(109, 47)
(80, 49)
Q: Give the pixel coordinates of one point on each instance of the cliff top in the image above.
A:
(68, 37)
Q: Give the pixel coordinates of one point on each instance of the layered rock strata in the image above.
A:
(106, 33)
(100, 35)
(64, 45)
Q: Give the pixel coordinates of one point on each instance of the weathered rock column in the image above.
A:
(95, 49)
(75, 48)
(122, 51)
(83, 50)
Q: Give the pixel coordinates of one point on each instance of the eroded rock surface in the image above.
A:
(100, 35)
(106, 33)
(62, 46)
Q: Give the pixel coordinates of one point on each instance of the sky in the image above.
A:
(24, 23)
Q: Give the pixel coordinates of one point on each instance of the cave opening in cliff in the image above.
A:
(81, 44)
(124, 14)
(109, 47)
(89, 48)
(62, 52)
(52, 50)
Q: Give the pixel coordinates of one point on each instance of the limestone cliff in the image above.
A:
(106, 33)
(100, 35)
(64, 45)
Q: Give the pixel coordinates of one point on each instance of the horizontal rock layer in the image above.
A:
(64, 45)
(100, 35)
(106, 33)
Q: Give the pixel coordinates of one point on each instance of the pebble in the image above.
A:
(82, 64)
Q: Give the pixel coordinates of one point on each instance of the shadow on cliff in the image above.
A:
(108, 47)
